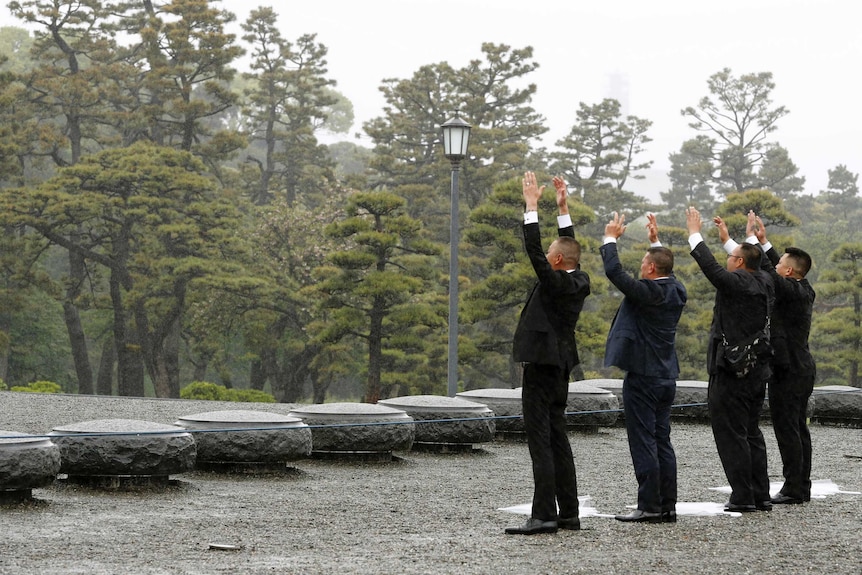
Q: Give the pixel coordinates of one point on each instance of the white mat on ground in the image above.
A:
(585, 508)
(701, 508)
(820, 488)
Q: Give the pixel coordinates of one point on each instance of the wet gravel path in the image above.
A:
(422, 513)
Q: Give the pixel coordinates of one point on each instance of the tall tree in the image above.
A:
(842, 188)
(691, 176)
(147, 216)
(839, 330)
(737, 118)
(408, 155)
(186, 56)
(74, 54)
(599, 156)
(288, 101)
(371, 287)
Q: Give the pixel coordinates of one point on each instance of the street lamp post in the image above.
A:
(456, 135)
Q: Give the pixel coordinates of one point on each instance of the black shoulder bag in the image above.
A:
(740, 358)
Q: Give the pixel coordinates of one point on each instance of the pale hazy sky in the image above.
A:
(665, 50)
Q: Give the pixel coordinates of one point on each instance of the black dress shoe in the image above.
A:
(640, 516)
(532, 527)
(571, 523)
(782, 499)
(668, 516)
(738, 508)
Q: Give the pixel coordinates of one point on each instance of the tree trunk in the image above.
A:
(257, 375)
(105, 379)
(375, 354)
(77, 339)
(130, 368)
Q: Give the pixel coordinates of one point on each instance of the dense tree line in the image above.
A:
(168, 220)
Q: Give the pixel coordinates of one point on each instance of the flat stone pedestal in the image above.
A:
(506, 405)
(356, 430)
(26, 463)
(590, 407)
(689, 402)
(247, 441)
(446, 423)
(115, 453)
(691, 396)
(838, 405)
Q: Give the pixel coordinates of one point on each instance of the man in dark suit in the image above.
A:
(544, 343)
(641, 342)
(743, 302)
(793, 368)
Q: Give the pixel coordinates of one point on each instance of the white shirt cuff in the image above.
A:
(767, 246)
(564, 221)
(609, 240)
(752, 239)
(729, 246)
(531, 217)
(655, 244)
(694, 239)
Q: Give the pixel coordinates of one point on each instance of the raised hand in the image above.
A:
(692, 220)
(723, 234)
(652, 228)
(616, 227)
(532, 191)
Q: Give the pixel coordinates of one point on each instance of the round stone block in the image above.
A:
(591, 407)
(504, 402)
(691, 396)
(247, 436)
(838, 404)
(26, 463)
(446, 420)
(124, 447)
(356, 427)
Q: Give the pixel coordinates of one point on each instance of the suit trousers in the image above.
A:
(788, 405)
(544, 396)
(647, 402)
(734, 412)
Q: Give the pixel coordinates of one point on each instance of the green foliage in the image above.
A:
(212, 392)
(38, 387)
(248, 395)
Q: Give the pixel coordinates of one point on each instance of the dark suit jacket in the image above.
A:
(642, 335)
(743, 300)
(791, 322)
(546, 329)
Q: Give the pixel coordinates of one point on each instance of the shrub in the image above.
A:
(38, 387)
(248, 395)
(213, 392)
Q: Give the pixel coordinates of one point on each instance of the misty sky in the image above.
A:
(663, 51)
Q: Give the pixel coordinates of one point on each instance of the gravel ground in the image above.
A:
(422, 513)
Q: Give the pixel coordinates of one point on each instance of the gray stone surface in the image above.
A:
(838, 403)
(691, 394)
(127, 447)
(356, 427)
(27, 462)
(504, 402)
(431, 413)
(592, 406)
(247, 436)
(422, 513)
